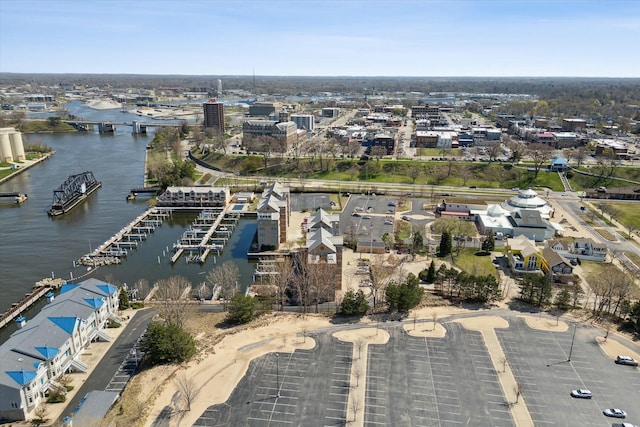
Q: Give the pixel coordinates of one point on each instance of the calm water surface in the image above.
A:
(34, 246)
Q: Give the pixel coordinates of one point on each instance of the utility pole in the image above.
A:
(573, 338)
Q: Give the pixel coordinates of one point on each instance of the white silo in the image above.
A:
(17, 147)
(5, 145)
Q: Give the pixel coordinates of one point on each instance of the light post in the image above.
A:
(277, 375)
(573, 338)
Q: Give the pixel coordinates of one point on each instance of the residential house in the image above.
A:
(523, 255)
(588, 249)
(556, 266)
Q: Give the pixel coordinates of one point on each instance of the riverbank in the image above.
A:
(24, 166)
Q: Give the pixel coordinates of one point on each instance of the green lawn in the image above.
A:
(479, 265)
(629, 214)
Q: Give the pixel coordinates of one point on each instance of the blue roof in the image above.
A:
(94, 302)
(22, 377)
(48, 352)
(559, 161)
(68, 324)
(67, 287)
(107, 289)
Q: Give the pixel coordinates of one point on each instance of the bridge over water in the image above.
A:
(110, 126)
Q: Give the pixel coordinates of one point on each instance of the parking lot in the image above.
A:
(434, 381)
(412, 381)
(303, 388)
(538, 360)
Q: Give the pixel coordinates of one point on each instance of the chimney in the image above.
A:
(21, 321)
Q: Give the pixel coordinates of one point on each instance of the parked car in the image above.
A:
(581, 393)
(366, 216)
(626, 360)
(615, 413)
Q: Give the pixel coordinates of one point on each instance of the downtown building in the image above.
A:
(214, 115)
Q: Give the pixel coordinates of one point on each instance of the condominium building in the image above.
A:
(273, 216)
(50, 345)
(214, 115)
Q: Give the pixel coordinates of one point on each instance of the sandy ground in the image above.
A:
(217, 373)
(103, 104)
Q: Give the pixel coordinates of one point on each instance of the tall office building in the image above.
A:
(214, 115)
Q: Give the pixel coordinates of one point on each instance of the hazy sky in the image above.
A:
(591, 38)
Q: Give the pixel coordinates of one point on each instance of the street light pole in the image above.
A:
(573, 338)
(277, 375)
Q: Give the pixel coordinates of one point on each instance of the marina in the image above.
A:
(207, 234)
(126, 239)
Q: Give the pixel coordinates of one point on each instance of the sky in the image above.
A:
(416, 38)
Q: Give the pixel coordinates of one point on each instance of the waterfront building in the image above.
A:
(195, 197)
(262, 109)
(50, 345)
(324, 246)
(214, 115)
(274, 210)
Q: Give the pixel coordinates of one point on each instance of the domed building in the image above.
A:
(529, 199)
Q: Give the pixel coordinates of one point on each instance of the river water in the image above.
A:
(34, 246)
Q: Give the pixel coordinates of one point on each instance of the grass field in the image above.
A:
(479, 265)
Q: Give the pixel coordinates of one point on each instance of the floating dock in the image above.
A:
(127, 239)
(208, 233)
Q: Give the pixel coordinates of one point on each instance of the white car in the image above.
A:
(626, 360)
(615, 413)
(581, 393)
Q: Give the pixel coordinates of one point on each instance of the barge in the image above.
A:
(72, 192)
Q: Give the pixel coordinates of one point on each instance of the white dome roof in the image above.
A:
(527, 199)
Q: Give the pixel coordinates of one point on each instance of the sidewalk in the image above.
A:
(89, 356)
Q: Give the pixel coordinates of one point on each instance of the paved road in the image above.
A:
(107, 368)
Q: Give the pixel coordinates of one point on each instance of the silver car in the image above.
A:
(615, 413)
(581, 393)
(626, 360)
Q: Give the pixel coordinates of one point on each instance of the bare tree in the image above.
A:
(518, 389)
(225, 277)
(171, 293)
(187, 388)
(357, 373)
(503, 362)
(40, 414)
(281, 279)
(380, 272)
(539, 153)
(360, 343)
(355, 407)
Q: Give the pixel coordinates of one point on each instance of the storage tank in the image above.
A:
(5, 145)
(17, 148)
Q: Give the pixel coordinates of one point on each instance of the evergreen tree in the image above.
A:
(489, 243)
(123, 299)
(563, 300)
(445, 246)
(404, 296)
(241, 309)
(354, 303)
(163, 344)
(432, 274)
(418, 242)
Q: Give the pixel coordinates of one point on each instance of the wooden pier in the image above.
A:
(30, 298)
(206, 234)
(127, 239)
